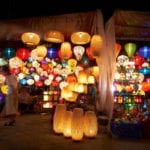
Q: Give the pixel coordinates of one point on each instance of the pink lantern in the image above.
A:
(23, 53)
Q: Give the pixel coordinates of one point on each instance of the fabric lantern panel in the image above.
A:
(8, 52)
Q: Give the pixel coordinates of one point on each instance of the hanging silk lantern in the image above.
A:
(15, 62)
(8, 52)
(39, 83)
(4, 89)
(96, 44)
(77, 124)
(89, 53)
(145, 71)
(71, 78)
(54, 36)
(130, 49)
(72, 64)
(144, 51)
(58, 118)
(41, 51)
(23, 53)
(80, 38)
(3, 62)
(52, 52)
(145, 86)
(65, 51)
(15, 70)
(90, 124)
(118, 49)
(30, 38)
(82, 77)
(78, 52)
(138, 60)
(85, 61)
(67, 124)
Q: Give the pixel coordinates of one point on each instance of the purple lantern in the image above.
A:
(1, 96)
(144, 51)
(52, 53)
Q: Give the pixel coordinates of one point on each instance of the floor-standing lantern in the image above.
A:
(90, 124)
(77, 124)
(58, 119)
(67, 124)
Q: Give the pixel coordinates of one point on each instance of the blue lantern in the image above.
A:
(8, 52)
(52, 53)
(144, 51)
(145, 70)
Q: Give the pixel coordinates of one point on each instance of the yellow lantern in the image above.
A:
(90, 124)
(91, 79)
(47, 105)
(65, 50)
(82, 77)
(45, 96)
(67, 124)
(41, 51)
(54, 36)
(30, 38)
(80, 38)
(77, 124)
(58, 118)
(4, 89)
(96, 44)
(95, 71)
(72, 64)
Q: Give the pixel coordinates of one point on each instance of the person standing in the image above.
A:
(11, 99)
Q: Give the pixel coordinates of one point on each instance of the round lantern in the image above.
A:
(52, 52)
(2, 79)
(15, 62)
(23, 81)
(96, 44)
(30, 38)
(23, 53)
(41, 51)
(39, 83)
(58, 118)
(144, 51)
(80, 38)
(78, 52)
(145, 71)
(54, 36)
(138, 60)
(30, 81)
(77, 124)
(90, 124)
(8, 52)
(85, 61)
(130, 48)
(72, 64)
(67, 124)
(118, 48)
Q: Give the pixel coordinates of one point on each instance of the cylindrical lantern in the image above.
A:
(67, 124)
(65, 50)
(96, 44)
(58, 118)
(80, 38)
(90, 124)
(77, 124)
(30, 38)
(130, 49)
(54, 36)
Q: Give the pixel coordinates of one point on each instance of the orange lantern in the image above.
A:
(82, 77)
(41, 51)
(71, 78)
(96, 44)
(118, 49)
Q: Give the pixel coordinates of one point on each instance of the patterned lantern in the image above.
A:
(8, 52)
(58, 118)
(65, 51)
(78, 52)
(15, 62)
(96, 44)
(4, 89)
(54, 36)
(90, 124)
(72, 64)
(30, 38)
(80, 38)
(77, 124)
(67, 124)
(130, 49)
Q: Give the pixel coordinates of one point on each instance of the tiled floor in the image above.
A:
(34, 132)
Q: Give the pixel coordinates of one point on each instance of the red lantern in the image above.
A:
(118, 48)
(23, 53)
(39, 83)
(145, 86)
(138, 60)
(89, 53)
